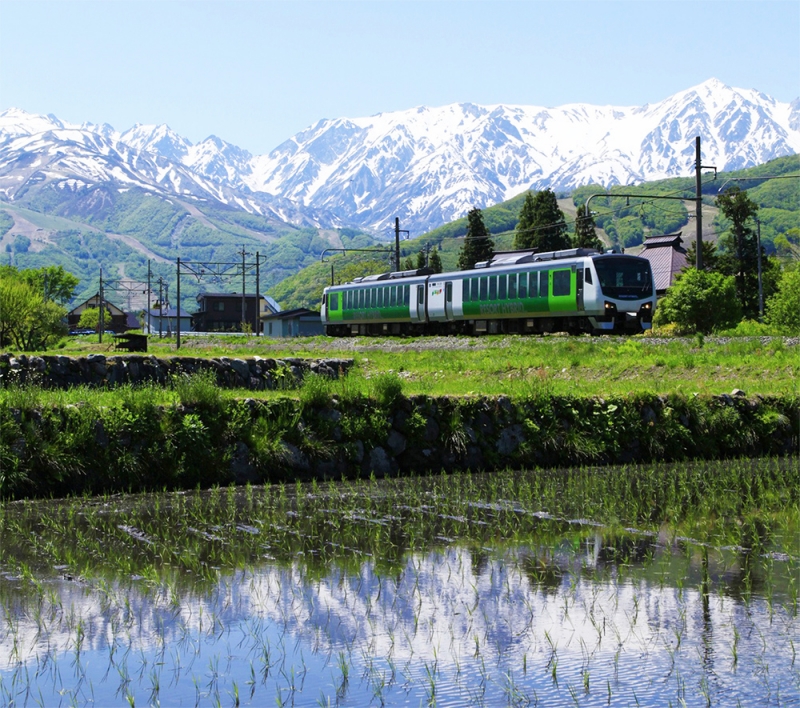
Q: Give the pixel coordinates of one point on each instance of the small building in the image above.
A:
(222, 312)
(300, 322)
(118, 322)
(667, 258)
(166, 321)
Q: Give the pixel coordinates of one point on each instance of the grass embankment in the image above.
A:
(513, 365)
(195, 434)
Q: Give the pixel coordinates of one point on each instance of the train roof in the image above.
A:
(499, 259)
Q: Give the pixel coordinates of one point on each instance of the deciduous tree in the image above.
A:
(700, 301)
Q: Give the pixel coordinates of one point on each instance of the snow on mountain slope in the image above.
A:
(425, 165)
(429, 165)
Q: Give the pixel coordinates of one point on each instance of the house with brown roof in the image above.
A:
(118, 322)
(667, 258)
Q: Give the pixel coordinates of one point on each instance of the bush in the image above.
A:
(700, 302)
(783, 308)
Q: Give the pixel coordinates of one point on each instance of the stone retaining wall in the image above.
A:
(255, 374)
(137, 445)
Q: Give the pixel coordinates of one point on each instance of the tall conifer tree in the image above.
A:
(585, 234)
(740, 255)
(478, 245)
(541, 223)
(434, 261)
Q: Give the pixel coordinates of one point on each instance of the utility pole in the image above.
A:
(397, 232)
(101, 323)
(698, 187)
(760, 284)
(244, 253)
(148, 297)
(178, 296)
(258, 294)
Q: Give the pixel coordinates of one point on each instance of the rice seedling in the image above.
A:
(358, 574)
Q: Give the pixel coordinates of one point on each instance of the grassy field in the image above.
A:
(516, 365)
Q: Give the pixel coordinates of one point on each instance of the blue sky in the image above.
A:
(257, 72)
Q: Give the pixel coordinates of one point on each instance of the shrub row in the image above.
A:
(208, 440)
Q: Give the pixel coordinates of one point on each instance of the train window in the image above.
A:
(587, 276)
(561, 282)
(466, 290)
(501, 287)
(406, 294)
(420, 294)
(484, 288)
(533, 288)
(476, 289)
(493, 287)
(333, 301)
(380, 298)
(544, 283)
(393, 295)
(360, 299)
(512, 286)
(523, 285)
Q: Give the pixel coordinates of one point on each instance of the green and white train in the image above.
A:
(576, 290)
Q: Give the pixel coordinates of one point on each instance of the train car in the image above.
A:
(575, 290)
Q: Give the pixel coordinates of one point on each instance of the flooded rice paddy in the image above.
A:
(648, 586)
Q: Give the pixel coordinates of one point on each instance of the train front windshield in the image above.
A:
(624, 278)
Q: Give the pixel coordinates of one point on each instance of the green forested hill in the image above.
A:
(620, 221)
(121, 231)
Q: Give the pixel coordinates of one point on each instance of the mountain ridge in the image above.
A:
(424, 165)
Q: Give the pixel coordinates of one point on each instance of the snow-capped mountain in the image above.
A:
(425, 165)
(41, 151)
(430, 165)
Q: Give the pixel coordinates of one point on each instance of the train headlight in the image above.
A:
(610, 308)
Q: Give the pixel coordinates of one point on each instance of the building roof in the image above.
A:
(673, 240)
(94, 301)
(291, 314)
(667, 258)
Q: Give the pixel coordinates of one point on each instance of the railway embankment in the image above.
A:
(207, 438)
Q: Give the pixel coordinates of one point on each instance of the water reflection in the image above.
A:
(557, 612)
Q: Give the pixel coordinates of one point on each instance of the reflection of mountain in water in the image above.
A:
(454, 609)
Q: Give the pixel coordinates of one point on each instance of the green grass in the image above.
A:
(513, 365)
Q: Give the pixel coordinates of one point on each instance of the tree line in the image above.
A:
(719, 297)
(726, 291)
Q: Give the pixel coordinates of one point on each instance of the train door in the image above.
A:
(448, 300)
(420, 300)
(436, 303)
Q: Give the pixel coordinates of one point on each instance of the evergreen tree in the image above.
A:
(541, 223)
(478, 245)
(585, 234)
(523, 238)
(408, 263)
(740, 248)
(434, 261)
(421, 259)
(710, 255)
